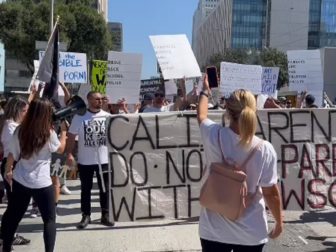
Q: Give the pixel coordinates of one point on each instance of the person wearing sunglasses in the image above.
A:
(158, 104)
(92, 156)
(159, 101)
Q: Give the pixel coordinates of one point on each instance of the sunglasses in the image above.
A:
(159, 95)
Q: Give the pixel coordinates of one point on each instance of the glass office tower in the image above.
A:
(249, 24)
(322, 23)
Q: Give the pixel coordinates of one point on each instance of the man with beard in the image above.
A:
(92, 156)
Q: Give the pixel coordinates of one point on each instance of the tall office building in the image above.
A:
(322, 23)
(116, 30)
(102, 8)
(282, 24)
(233, 24)
(204, 8)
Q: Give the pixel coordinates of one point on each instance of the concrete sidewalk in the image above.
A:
(125, 236)
(304, 231)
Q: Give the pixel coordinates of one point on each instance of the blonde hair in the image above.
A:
(241, 107)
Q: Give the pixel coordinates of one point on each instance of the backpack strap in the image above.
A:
(220, 146)
(251, 152)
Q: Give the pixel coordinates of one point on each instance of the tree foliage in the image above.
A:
(267, 57)
(81, 27)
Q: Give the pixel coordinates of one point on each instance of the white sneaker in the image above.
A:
(34, 212)
(65, 190)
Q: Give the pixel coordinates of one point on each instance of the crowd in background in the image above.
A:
(13, 113)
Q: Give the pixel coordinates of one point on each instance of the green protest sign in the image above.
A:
(98, 77)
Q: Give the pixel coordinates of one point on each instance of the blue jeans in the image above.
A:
(17, 206)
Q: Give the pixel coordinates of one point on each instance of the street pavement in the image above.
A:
(304, 231)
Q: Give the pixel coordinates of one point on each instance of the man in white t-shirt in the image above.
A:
(92, 156)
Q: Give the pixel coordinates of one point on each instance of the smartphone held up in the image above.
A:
(212, 76)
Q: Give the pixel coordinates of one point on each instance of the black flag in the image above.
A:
(48, 70)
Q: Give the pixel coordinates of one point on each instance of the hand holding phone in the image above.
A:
(212, 76)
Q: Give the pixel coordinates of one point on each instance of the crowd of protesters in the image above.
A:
(28, 139)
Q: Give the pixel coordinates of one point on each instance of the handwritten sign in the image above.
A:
(236, 76)
(175, 56)
(305, 72)
(123, 76)
(157, 161)
(2, 68)
(151, 86)
(72, 67)
(269, 81)
(98, 76)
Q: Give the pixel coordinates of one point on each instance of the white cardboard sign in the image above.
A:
(240, 76)
(124, 76)
(72, 67)
(269, 81)
(305, 73)
(175, 56)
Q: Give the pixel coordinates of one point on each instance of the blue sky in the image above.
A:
(141, 18)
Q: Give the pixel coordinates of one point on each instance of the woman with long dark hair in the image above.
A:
(31, 147)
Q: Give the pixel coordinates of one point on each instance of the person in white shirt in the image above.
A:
(159, 104)
(31, 147)
(92, 156)
(249, 232)
(14, 113)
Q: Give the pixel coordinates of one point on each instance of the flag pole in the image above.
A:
(52, 30)
(51, 16)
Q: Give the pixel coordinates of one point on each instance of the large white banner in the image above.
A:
(157, 161)
(124, 76)
(305, 73)
(240, 76)
(269, 81)
(175, 56)
(72, 67)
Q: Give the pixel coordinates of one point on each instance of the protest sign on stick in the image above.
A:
(72, 67)
(175, 56)
(151, 86)
(239, 76)
(123, 76)
(98, 76)
(305, 73)
(269, 81)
